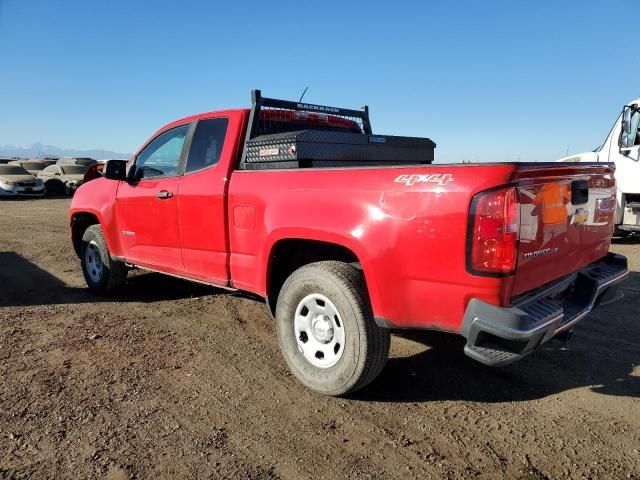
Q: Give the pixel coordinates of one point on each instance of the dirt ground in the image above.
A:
(178, 380)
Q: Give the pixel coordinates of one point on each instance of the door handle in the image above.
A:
(163, 195)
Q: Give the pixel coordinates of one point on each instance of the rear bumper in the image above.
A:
(501, 335)
(629, 228)
(23, 192)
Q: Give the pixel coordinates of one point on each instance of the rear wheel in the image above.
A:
(622, 234)
(103, 274)
(326, 329)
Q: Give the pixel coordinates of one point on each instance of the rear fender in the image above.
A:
(350, 243)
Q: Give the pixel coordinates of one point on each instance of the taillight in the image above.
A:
(604, 210)
(495, 229)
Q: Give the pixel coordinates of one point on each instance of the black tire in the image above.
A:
(54, 187)
(622, 234)
(112, 274)
(366, 346)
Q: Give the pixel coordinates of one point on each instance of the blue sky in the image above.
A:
(493, 80)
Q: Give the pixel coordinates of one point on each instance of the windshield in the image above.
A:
(74, 169)
(34, 166)
(12, 170)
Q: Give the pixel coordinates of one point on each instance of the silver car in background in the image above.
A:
(63, 179)
(15, 181)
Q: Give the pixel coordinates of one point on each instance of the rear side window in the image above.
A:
(206, 144)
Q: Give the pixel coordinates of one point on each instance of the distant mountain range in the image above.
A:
(41, 150)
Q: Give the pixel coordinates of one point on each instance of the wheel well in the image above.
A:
(290, 254)
(79, 223)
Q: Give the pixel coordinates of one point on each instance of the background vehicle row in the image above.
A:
(37, 177)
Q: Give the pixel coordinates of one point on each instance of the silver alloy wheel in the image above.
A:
(319, 330)
(93, 261)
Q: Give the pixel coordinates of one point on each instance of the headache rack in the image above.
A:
(285, 134)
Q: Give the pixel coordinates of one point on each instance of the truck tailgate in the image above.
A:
(566, 220)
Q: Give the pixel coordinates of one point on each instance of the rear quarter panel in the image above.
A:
(408, 232)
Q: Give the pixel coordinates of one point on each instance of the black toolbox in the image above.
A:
(317, 148)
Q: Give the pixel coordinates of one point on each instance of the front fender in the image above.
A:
(98, 198)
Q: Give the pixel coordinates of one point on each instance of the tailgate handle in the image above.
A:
(579, 192)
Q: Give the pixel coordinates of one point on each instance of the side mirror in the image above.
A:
(630, 125)
(135, 174)
(116, 170)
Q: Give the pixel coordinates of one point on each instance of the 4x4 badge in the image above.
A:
(437, 178)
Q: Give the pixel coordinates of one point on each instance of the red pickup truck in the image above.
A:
(348, 235)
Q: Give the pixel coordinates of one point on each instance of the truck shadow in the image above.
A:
(25, 284)
(601, 356)
(444, 373)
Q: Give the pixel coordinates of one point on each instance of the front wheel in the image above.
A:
(103, 274)
(326, 329)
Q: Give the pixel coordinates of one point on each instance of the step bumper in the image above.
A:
(498, 336)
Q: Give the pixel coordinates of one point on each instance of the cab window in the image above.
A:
(206, 144)
(161, 157)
